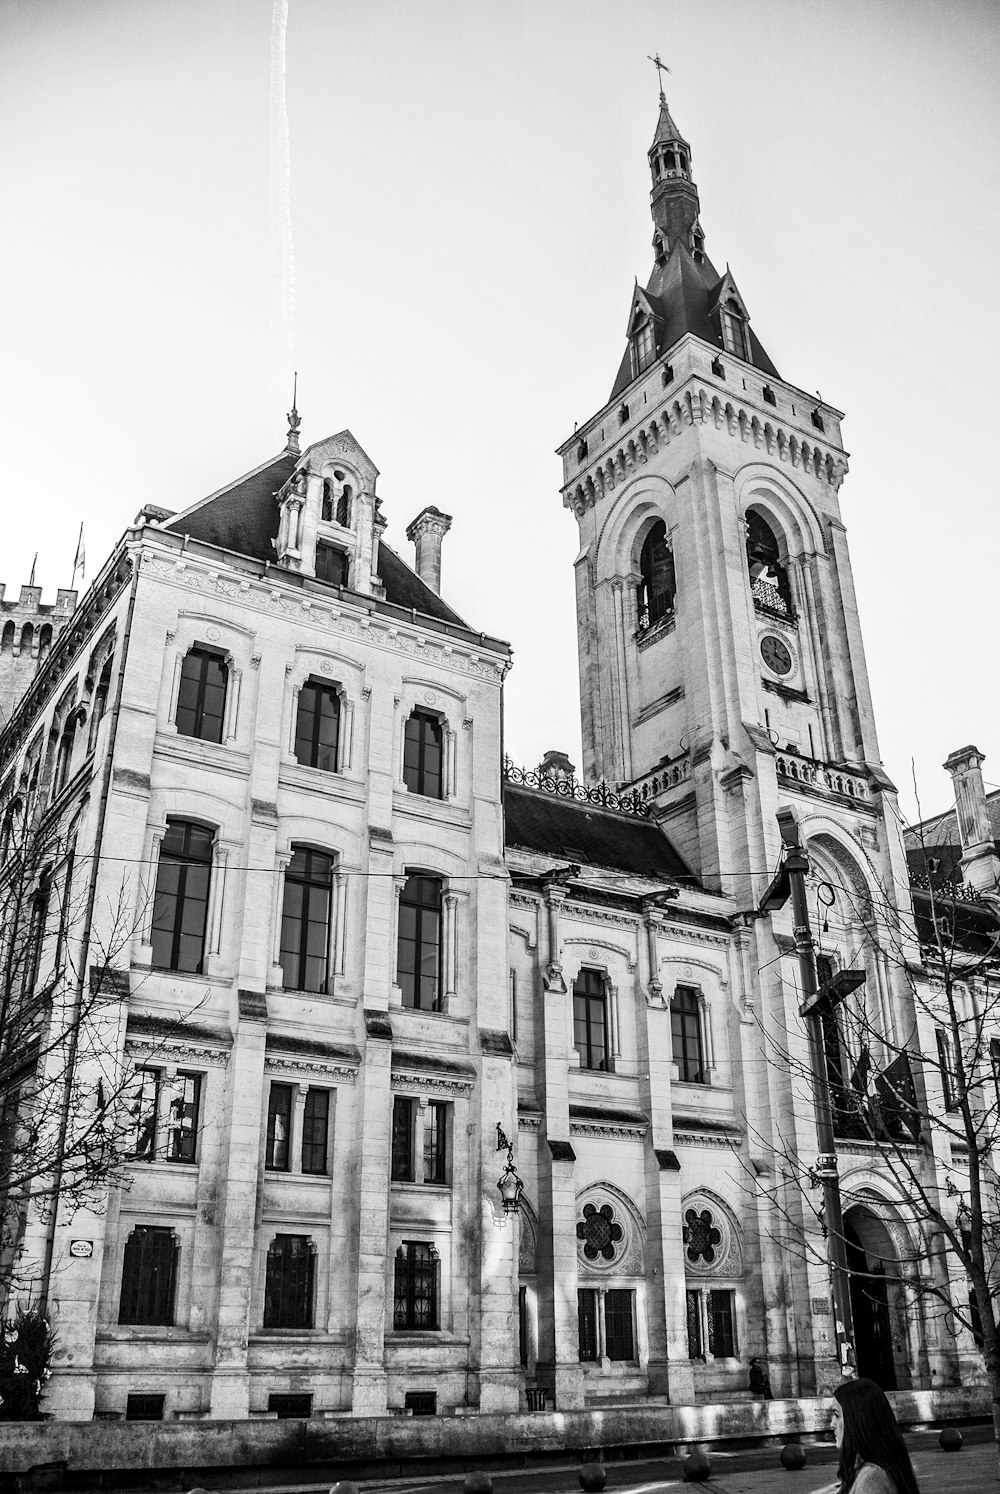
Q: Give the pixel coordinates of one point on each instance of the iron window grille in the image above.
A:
(402, 1160)
(586, 1313)
(590, 1021)
(142, 1406)
(316, 1132)
(201, 700)
(180, 902)
(686, 1036)
(305, 921)
(619, 1316)
(711, 1324)
(317, 726)
(149, 1276)
(288, 1286)
(415, 1287)
(331, 565)
(279, 1127)
(419, 944)
(423, 755)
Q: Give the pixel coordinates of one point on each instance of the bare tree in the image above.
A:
(921, 1092)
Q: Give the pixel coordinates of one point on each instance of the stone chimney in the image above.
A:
(980, 862)
(556, 765)
(427, 531)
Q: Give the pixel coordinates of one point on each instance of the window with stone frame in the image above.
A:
(735, 333)
(29, 951)
(423, 754)
(608, 1317)
(769, 581)
(713, 1257)
(289, 1282)
(418, 952)
(657, 586)
(316, 1132)
(711, 1323)
(180, 901)
(435, 1147)
(687, 1035)
(591, 1026)
(182, 1121)
(332, 565)
(201, 699)
(416, 1279)
(419, 1143)
(149, 1276)
(277, 1151)
(402, 1150)
(100, 703)
(643, 347)
(64, 755)
(317, 726)
(305, 920)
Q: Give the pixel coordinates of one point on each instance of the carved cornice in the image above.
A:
(170, 1051)
(301, 1068)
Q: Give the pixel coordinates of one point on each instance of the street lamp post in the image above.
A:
(791, 883)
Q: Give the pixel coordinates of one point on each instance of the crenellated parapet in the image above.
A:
(28, 628)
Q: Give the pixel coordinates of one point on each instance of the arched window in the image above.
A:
(180, 904)
(686, 1036)
(7, 644)
(768, 577)
(423, 755)
(734, 329)
(326, 512)
(201, 701)
(30, 953)
(344, 505)
(44, 640)
(100, 704)
(418, 951)
(591, 1035)
(317, 726)
(643, 347)
(305, 920)
(657, 588)
(149, 1276)
(27, 638)
(64, 755)
(288, 1286)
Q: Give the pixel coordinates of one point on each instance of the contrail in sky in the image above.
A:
(283, 249)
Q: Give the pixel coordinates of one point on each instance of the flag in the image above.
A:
(80, 559)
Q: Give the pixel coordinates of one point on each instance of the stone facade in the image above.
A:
(27, 628)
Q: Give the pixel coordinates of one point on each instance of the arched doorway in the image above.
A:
(876, 1299)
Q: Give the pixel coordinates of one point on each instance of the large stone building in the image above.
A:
(359, 949)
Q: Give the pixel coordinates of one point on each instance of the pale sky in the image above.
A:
(469, 208)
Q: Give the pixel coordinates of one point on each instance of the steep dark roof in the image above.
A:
(683, 292)
(243, 517)
(536, 820)
(942, 829)
(972, 927)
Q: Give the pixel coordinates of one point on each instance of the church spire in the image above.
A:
(674, 196)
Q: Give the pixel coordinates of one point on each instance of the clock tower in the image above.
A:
(720, 652)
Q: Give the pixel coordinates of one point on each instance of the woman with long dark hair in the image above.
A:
(873, 1456)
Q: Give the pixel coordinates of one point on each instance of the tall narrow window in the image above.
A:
(586, 1316)
(734, 330)
(686, 1036)
(423, 754)
(618, 1324)
(305, 920)
(288, 1286)
(100, 704)
(590, 1021)
(721, 1325)
(331, 565)
(149, 1276)
(279, 1127)
(435, 1142)
(415, 1286)
(768, 576)
(201, 701)
(182, 1122)
(948, 1066)
(658, 584)
(316, 1132)
(144, 1108)
(643, 348)
(64, 757)
(317, 726)
(180, 904)
(402, 1139)
(419, 946)
(30, 953)
(344, 506)
(696, 1342)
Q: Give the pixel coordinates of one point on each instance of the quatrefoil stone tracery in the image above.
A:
(600, 1232)
(701, 1236)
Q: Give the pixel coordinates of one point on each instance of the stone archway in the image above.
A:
(877, 1302)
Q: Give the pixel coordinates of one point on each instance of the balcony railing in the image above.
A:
(625, 801)
(768, 598)
(793, 769)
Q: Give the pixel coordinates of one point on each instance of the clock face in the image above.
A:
(775, 654)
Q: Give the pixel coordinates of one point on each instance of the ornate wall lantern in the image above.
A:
(509, 1185)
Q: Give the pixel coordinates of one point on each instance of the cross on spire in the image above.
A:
(661, 67)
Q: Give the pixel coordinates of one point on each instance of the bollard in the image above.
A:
(593, 1477)
(345, 1486)
(950, 1439)
(478, 1482)
(793, 1456)
(697, 1467)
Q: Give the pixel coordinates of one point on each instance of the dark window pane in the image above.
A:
(289, 1407)
(418, 955)
(288, 1286)
(423, 755)
(180, 901)
(143, 1109)
(696, 1349)
(402, 1140)
(618, 1324)
(182, 1121)
(586, 1308)
(305, 920)
(201, 699)
(331, 565)
(655, 592)
(317, 726)
(143, 1407)
(721, 1325)
(279, 1126)
(590, 1036)
(415, 1288)
(315, 1131)
(685, 1035)
(149, 1274)
(435, 1142)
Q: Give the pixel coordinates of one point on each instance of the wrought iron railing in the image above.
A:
(625, 801)
(957, 891)
(659, 609)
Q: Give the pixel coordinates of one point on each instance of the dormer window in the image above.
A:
(697, 243)
(336, 500)
(643, 348)
(331, 565)
(734, 330)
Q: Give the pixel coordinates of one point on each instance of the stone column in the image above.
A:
(499, 1365)
(980, 862)
(372, 1192)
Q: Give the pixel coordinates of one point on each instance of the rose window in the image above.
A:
(600, 1232)
(700, 1236)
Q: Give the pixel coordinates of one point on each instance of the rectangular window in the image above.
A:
(590, 1025)
(618, 1324)
(721, 1325)
(305, 920)
(435, 1142)
(423, 754)
(289, 1407)
(201, 700)
(144, 1109)
(946, 1060)
(522, 1323)
(686, 1035)
(402, 1139)
(418, 951)
(586, 1316)
(143, 1407)
(288, 1286)
(180, 902)
(182, 1120)
(316, 1131)
(415, 1287)
(331, 565)
(279, 1127)
(149, 1276)
(696, 1345)
(317, 726)
(513, 1006)
(421, 1402)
